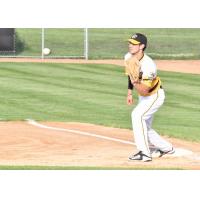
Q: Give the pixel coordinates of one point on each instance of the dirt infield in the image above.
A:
(24, 144)
(186, 66)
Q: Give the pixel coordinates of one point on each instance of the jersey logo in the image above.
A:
(151, 75)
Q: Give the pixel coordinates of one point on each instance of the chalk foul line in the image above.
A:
(34, 123)
(178, 151)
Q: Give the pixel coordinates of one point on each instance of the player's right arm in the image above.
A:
(129, 98)
(129, 93)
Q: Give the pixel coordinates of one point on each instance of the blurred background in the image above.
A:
(98, 43)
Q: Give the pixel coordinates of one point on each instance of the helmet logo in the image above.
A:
(134, 36)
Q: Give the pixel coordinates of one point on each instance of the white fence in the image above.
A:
(102, 43)
(63, 43)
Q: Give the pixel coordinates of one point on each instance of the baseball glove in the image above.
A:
(132, 68)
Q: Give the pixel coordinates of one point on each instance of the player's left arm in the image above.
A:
(142, 89)
(143, 86)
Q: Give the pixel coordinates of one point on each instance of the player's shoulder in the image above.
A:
(148, 68)
(147, 60)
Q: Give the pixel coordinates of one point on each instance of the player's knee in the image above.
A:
(145, 117)
(135, 115)
(138, 116)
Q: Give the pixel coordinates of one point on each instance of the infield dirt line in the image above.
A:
(179, 152)
(34, 123)
(183, 66)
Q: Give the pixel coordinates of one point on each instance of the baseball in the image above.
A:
(46, 51)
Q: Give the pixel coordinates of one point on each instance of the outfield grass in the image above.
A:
(110, 43)
(93, 93)
(61, 41)
(163, 43)
(8, 167)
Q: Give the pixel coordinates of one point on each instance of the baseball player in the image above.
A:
(151, 98)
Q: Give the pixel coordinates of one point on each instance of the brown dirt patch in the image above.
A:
(24, 144)
(186, 66)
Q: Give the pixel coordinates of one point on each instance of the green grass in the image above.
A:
(61, 41)
(8, 167)
(110, 43)
(94, 94)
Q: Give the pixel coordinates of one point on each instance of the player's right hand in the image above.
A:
(129, 99)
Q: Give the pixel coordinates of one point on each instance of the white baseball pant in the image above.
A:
(142, 117)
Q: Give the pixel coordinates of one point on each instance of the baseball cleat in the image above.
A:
(140, 156)
(162, 153)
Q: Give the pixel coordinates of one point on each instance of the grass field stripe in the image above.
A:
(34, 123)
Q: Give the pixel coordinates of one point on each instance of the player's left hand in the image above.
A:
(129, 100)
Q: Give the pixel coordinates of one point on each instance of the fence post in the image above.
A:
(86, 50)
(42, 42)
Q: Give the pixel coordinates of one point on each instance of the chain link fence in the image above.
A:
(63, 43)
(102, 43)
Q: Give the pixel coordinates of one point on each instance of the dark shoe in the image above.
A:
(140, 156)
(162, 153)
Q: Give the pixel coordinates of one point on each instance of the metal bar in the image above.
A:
(42, 43)
(86, 45)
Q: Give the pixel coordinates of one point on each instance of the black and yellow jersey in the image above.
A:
(148, 74)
